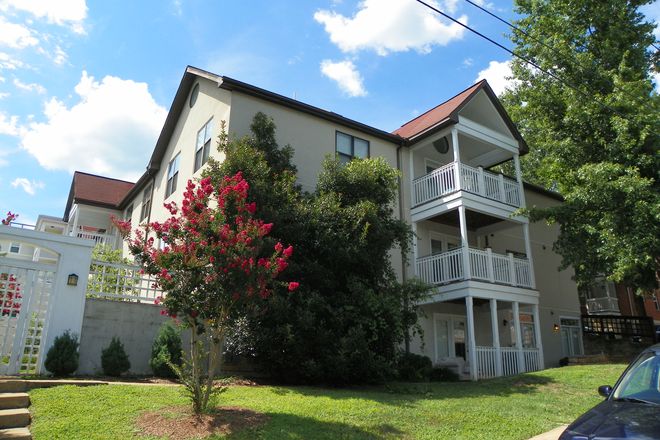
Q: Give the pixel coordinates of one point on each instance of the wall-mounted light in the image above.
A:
(72, 280)
(555, 328)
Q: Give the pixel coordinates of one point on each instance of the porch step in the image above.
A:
(14, 400)
(14, 418)
(12, 386)
(15, 434)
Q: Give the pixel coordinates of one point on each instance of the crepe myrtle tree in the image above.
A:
(211, 263)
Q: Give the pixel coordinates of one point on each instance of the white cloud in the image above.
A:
(390, 26)
(346, 75)
(29, 186)
(29, 87)
(61, 12)
(4, 95)
(111, 130)
(8, 125)
(10, 63)
(498, 74)
(15, 35)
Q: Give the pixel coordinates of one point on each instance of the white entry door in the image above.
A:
(571, 337)
(450, 338)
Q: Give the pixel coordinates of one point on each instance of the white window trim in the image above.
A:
(12, 245)
(172, 175)
(579, 326)
(452, 344)
(430, 162)
(202, 146)
(444, 238)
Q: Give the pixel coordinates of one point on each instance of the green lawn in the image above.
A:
(507, 408)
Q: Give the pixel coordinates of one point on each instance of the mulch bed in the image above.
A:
(179, 423)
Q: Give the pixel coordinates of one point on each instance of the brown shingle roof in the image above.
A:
(96, 190)
(437, 115)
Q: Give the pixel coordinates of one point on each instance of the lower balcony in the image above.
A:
(484, 265)
(98, 236)
(606, 305)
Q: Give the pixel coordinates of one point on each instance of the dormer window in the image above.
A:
(203, 146)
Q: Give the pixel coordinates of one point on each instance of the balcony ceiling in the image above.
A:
(475, 220)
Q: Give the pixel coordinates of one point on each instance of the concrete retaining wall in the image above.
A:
(136, 325)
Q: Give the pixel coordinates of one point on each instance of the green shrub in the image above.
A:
(114, 359)
(166, 348)
(441, 374)
(414, 367)
(62, 357)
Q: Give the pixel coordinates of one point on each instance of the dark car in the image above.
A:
(631, 409)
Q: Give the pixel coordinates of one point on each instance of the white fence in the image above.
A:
(122, 282)
(487, 359)
(442, 181)
(485, 265)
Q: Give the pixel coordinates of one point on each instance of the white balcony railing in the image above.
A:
(485, 265)
(605, 304)
(443, 180)
(96, 237)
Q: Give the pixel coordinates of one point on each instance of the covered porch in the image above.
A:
(481, 338)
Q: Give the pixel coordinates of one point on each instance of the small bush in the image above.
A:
(114, 359)
(414, 367)
(62, 357)
(166, 348)
(441, 374)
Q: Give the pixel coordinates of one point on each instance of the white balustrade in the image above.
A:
(437, 183)
(532, 359)
(442, 181)
(485, 265)
(121, 282)
(486, 358)
(509, 361)
(605, 304)
(96, 237)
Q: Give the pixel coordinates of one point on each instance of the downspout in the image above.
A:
(403, 257)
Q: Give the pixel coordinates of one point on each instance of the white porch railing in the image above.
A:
(96, 237)
(122, 282)
(603, 305)
(485, 265)
(487, 361)
(442, 181)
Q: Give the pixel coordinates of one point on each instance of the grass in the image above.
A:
(516, 407)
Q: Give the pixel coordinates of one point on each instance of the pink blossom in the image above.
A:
(293, 286)
(288, 252)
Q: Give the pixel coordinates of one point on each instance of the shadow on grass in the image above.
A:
(406, 394)
(288, 426)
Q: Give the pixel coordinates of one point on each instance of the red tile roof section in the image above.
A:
(98, 189)
(436, 115)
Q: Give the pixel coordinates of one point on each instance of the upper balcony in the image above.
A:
(456, 176)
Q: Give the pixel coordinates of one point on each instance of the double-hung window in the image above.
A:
(172, 175)
(15, 248)
(203, 146)
(350, 147)
(146, 203)
(128, 215)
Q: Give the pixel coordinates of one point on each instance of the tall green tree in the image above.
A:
(595, 137)
(347, 320)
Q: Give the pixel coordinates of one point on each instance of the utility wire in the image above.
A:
(526, 60)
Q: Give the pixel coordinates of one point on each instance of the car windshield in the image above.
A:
(642, 381)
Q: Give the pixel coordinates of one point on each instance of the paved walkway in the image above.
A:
(550, 435)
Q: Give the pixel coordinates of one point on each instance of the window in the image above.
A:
(349, 147)
(656, 303)
(128, 214)
(146, 203)
(15, 248)
(203, 144)
(193, 95)
(172, 175)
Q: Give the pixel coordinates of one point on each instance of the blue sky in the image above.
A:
(85, 85)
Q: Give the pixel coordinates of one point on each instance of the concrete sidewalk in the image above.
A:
(550, 435)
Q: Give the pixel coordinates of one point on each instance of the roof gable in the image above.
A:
(447, 113)
(96, 190)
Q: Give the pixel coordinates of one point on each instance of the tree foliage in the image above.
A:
(597, 145)
(350, 317)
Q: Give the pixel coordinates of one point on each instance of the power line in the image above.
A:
(526, 60)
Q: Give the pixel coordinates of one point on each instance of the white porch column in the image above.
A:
(495, 330)
(537, 334)
(75, 221)
(457, 158)
(528, 251)
(464, 242)
(472, 345)
(516, 325)
(415, 252)
(521, 188)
